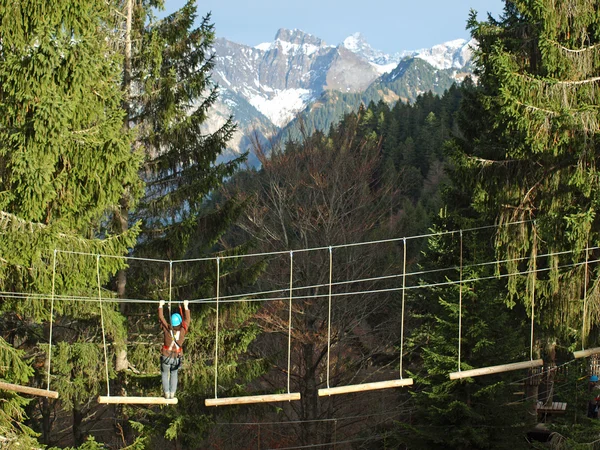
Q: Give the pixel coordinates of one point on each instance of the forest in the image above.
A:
(417, 276)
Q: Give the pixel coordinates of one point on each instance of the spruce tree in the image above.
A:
(478, 412)
(169, 95)
(64, 165)
(530, 140)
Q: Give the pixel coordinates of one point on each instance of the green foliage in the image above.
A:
(78, 368)
(13, 434)
(65, 162)
(64, 157)
(529, 145)
(89, 444)
(474, 413)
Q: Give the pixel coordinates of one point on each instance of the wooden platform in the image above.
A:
(28, 390)
(496, 369)
(555, 408)
(110, 399)
(252, 399)
(586, 353)
(365, 387)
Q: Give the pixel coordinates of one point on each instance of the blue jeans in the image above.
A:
(168, 370)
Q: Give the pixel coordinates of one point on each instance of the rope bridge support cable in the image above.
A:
(402, 382)
(30, 390)
(116, 399)
(584, 353)
(460, 374)
(266, 398)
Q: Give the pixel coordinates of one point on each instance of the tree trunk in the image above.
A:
(78, 435)
(46, 422)
(309, 397)
(121, 220)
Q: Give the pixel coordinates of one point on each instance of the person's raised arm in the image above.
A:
(188, 315)
(161, 316)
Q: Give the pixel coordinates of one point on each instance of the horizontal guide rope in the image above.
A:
(25, 295)
(286, 252)
(391, 412)
(387, 277)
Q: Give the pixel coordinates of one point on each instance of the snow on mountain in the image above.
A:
(283, 106)
(265, 86)
(383, 62)
(449, 55)
(280, 78)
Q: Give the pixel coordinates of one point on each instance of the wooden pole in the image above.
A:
(496, 369)
(115, 399)
(28, 390)
(365, 387)
(252, 399)
(586, 353)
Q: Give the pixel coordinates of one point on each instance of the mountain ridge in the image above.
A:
(266, 86)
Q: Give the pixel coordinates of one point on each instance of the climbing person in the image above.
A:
(171, 354)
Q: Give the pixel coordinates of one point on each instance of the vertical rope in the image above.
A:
(51, 317)
(329, 313)
(102, 324)
(402, 323)
(460, 300)
(289, 361)
(334, 434)
(170, 284)
(585, 279)
(217, 328)
(533, 279)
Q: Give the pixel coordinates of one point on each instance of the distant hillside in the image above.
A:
(411, 78)
(266, 86)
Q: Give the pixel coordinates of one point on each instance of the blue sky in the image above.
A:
(388, 25)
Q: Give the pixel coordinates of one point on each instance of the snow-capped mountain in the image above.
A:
(267, 85)
(454, 54)
(449, 55)
(281, 77)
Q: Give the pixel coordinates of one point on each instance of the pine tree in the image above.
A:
(64, 164)
(473, 413)
(530, 139)
(172, 72)
(169, 94)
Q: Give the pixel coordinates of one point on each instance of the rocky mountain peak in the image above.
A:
(356, 43)
(267, 85)
(298, 37)
(449, 55)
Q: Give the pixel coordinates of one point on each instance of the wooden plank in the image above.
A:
(556, 407)
(585, 353)
(110, 399)
(28, 390)
(496, 369)
(252, 399)
(365, 387)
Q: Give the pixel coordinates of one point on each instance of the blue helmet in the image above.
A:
(176, 320)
